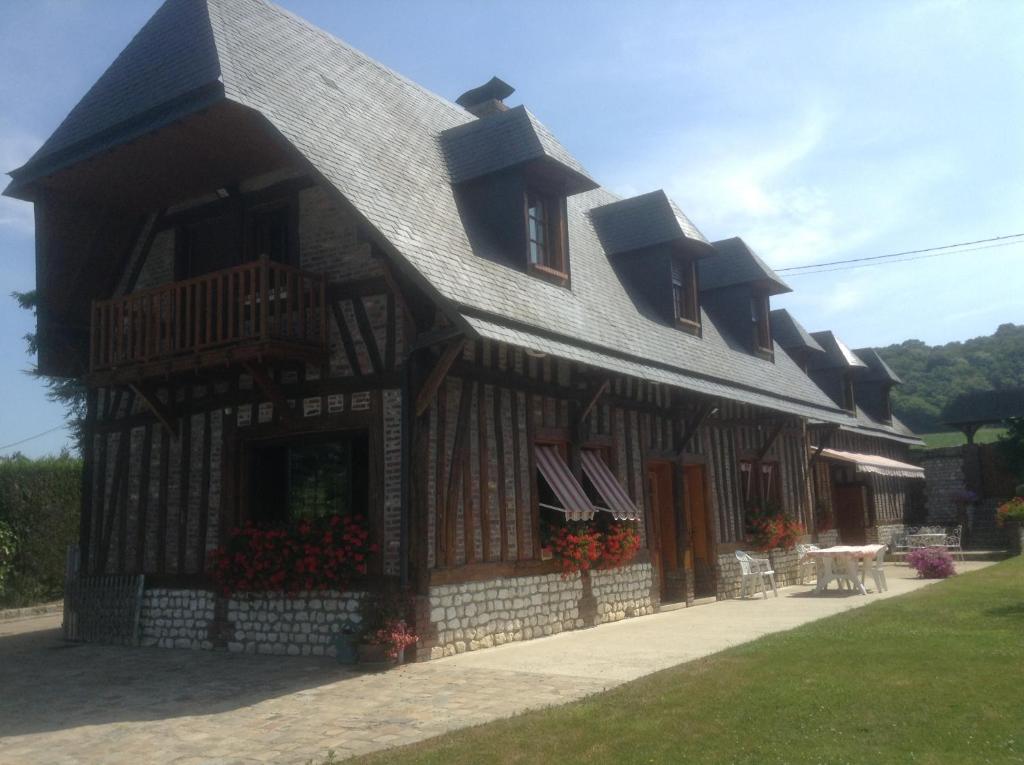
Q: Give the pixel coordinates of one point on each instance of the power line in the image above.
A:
(901, 254)
(32, 438)
(903, 260)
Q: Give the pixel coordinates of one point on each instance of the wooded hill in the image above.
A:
(935, 374)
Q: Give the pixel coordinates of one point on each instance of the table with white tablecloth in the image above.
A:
(842, 564)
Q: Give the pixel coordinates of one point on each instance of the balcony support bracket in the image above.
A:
(163, 412)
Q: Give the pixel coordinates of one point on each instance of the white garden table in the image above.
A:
(842, 563)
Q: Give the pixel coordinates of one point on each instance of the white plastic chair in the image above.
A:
(899, 544)
(877, 568)
(756, 571)
(804, 560)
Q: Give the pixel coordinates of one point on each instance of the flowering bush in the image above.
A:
(771, 528)
(578, 547)
(931, 562)
(395, 636)
(312, 554)
(619, 545)
(1013, 510)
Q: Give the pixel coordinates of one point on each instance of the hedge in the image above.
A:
(39, 503)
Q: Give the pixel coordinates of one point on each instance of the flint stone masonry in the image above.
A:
(944, 480)
(302, 625)
(884, 535)
(177, 618)
(828, 538)
(474, 615)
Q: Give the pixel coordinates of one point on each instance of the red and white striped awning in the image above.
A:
(874, 464)
(575, 504)
(615, 497)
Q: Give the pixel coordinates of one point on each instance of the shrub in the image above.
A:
(931, 562)
(619, 545)
(8, 546)
(39, 503)
(310, 554)
(1013, 510)
(577, 546)
(772, 533)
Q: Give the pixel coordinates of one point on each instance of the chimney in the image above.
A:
(487, 99)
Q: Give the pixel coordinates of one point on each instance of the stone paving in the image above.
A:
(63, 703)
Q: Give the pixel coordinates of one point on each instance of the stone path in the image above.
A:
(62, 703)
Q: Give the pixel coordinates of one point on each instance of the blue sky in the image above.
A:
(817, 131)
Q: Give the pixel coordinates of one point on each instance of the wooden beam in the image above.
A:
(694, 424)
(823, 444)
(437, 374)
(772, 438)
(271, 389)
(163, 412)
(592, 401)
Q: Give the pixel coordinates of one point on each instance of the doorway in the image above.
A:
(850, 508)
(699, 528)
(663, 506)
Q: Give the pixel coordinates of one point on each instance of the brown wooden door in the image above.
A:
(850, 513)
(659, 483)
(698, 525)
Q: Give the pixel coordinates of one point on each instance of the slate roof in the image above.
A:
(503, 140)
(985, 407)
(790, 334)
(878, 370)
(376, 137)
(738, 264)
(627, 225)
(837, 354)
(894, 431)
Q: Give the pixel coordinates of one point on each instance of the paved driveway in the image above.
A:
(69, 703)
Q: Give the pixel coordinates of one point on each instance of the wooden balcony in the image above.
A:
(256, 312)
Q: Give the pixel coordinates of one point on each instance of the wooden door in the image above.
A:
(699, 528)
(850, 513)
(659, 486)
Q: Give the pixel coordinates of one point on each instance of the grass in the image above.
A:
(986, 435)
(936, 676)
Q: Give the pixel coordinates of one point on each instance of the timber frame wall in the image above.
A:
(162, 491)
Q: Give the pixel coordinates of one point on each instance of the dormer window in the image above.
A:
(762, 326)
(685, 303)
(849, 402)
(545, 233)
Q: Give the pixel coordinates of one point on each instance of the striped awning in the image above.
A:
(616, 499)
(574, 501)
(875, 465)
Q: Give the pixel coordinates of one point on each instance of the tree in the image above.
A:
(67, 391)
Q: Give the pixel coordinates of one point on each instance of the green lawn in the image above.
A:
(986, 435)
(936, 676)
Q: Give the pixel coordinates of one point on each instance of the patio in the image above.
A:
(85, 703)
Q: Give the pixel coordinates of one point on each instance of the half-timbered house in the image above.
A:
(864, 483)
(296, 282)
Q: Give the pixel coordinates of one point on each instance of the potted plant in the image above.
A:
(385, 632)
(345, 645)
(1010, 515)
(577, 545)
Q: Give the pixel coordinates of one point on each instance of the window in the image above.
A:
(685, 304)
(271, 234)
(309, 478)
(849, 402)
(545, 240)
(206, 245)
(761, 483)
(762, 326)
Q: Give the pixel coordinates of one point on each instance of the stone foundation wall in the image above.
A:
(177, 618)
(783, 562)
(828, 538)
(474, 615)
(303, 625)
(624, 592)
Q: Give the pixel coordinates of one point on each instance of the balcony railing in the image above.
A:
(257, 309)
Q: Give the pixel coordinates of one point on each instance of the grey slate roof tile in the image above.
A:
(878, 370)
(790, 334)
(837, 354)
(377, 138)
(642, 221)
(738, 264)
